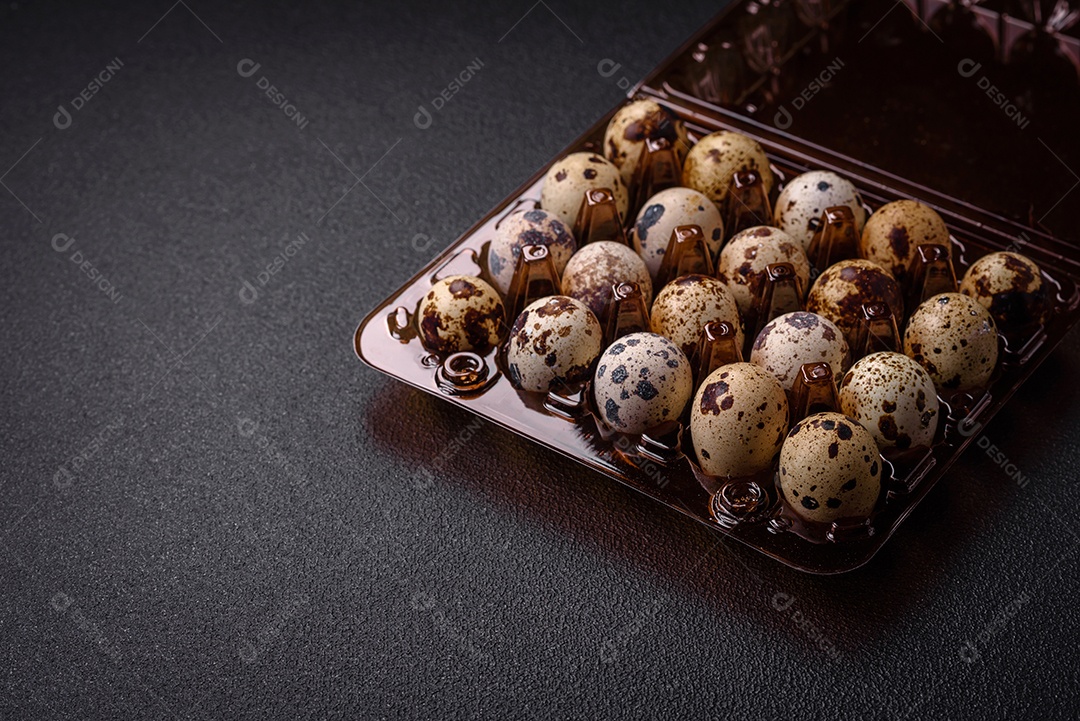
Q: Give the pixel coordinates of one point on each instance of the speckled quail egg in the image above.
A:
(804, 200)
(744, 260)
(841, 290)
(595, 268)
(632, 125)
(738, 420)
(527, 227)
(710, 164)
(894, 399)
(954, 338)
(830, 469)
(643, 380)
(666, 211)
(553, 344)
(789, 341)
(1010, 286)
(569, 178)
(460, 313)
(895, 230)
(686, 304)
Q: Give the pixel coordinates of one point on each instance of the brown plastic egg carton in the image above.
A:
(661, 464)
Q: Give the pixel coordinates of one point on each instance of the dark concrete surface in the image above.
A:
(207, 507)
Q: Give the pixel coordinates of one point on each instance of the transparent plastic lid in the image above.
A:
(972, 106)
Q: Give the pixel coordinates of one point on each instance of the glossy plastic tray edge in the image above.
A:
(1000, 227)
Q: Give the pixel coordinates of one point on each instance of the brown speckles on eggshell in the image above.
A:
(684, 306)
(820, 457)
(744, 260)
(667, 210)
(633, 124)
(594, 269)
(899, 242)
(893, 397)
(804, 199)
(1010, 286)
(569, 178)
(733, 432)
(790, 340)
(893, 233)
(527, 227)
(556, 351)
(642, 400)
(460, 313)
(462, 288)
(841, 291)
(709, 398)
(943, 322)
(712, 162)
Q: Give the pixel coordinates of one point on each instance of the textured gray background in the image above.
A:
(242, 532)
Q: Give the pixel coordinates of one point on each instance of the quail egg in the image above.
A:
(954, 338)
(568, 180)
(744, 260)
(894, 399)
(830, 469)
(595, 268)
(527, 227)
(632, 125)
(1010, 286)
(841, 290)
(738, 420)
(895, 230)
(553, 344)
(711, 163)
(460, 313)
(686, 304)
(804, 200)
(643, 380)
(666, 211)
(789, 341)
